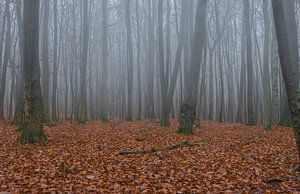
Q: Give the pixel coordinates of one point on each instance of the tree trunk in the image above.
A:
(129, 59)
(32, 123)
(266, 72)
(188, 107)
(104, 100)
(45, 78)
(139, 115)
(7, 52)
(82, 117)
(289, 69)
(250, 111)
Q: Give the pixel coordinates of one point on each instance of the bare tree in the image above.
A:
(289, 69)
(83, 64)
(45, 78)
(32, 123)
(7, 52)
(129, 60)
(104, 100)
(188, 107)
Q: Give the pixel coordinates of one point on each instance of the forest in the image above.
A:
(149, 96)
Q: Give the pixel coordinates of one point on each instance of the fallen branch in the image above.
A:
(157, 149)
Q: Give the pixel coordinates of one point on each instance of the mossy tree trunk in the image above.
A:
(32, 119)
(289, 70)
(188, 107)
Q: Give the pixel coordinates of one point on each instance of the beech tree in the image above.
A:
(188, 107)
(32, 119)
(7, 52)
(266, 72)
(45, 78)
(130, 59)
(83, 64)
(289, 69)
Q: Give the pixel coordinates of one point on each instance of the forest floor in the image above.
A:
(232, 158)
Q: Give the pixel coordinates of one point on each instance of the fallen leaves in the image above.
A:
(84, 159)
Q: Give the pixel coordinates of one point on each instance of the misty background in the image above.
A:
(121, 47)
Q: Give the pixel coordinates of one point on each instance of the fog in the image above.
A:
(122, 59)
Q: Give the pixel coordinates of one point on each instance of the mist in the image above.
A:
(174, 63)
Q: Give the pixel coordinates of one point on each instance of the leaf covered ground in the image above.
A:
(86, 159)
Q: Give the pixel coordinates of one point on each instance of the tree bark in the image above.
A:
(104, 100)
(266, 72)
(32, 123)
(289, 69)
(129, 59)
(7, 52)
(188, 107)
(45, 78)
(82, 117)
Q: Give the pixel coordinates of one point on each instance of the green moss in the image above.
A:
(165, 122)
(19, 129)
(184, 131)
(21, 139)
(285, 123)
(268, 127)
(203, 142)
(185, 142)
(104, 119)
(25, 139)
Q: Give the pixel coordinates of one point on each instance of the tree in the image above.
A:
(104, 72)
(162, 74)
(45, 78)
(19, 88)
(55, 65)
(7, 52)
(249, 63)
(129, 60)
(82, 117)
(289, 70)
(188, 107)
(266, 72)
(32, 121)
(138, 61)
(149, 101)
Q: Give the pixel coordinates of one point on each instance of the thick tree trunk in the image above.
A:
(289, 69)
(32, 124)
(188, 107)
